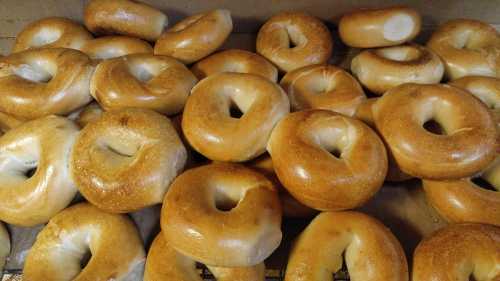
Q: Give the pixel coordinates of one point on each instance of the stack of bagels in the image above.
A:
(130, 113)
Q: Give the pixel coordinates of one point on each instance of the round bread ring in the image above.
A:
(459, 252)
(300, 147)
(467, 146)
(372, 28)
(109, 47)
(195, 37)
(126, 160)
(323, 87)
(8, 122)
(124, 17)
(382, 69)
(112, 240)
(365, 114)
(463, 201)
(87, 114)
(372, 253)
(235, 60)
(312, 39)
(166, 264)
(45, 145)
(4, 247)
(59, 77)
(467, 47)
(290, 206)
(193, 222)
(52, 32)
(209, 127)
(158, 83)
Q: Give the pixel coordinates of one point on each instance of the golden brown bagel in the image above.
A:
(365, 114)
(382, 69)
(467, 47)
(165, 264)
(465, 146)
(8, 122)
(87, 114)
(235, 60)
(126, 160)
(222, 214)
(293, 39)
(52, 32)
(290, 206)
(36, 83)
(4, 247)
(42, 145)
(195, 37)
(369, 249)
(322, 87)
(301, 147)
(459, 252)
(371, 28)
(463, 201)
(112, 240)
(125, 17)
(108, 47)
(211, 130)
(146, 81)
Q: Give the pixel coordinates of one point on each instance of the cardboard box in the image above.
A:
(247, 18)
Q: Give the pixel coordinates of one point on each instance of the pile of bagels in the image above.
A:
(231, 141)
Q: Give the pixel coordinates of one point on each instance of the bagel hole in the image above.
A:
(235, 111)
(343, 273)
(484, 184)
(141, 72)
(434, 127)
(295, 37)
(399, 53)
(30, 172)
(45, 36)
(204, 272)
(84, 260)
(120, 152)
(223, 201)
(336, 152)
(36, 73)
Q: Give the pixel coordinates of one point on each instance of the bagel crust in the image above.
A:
(109, 47)
(165, 264)
(126, 160)
(466, 146)
(301, 146)
(194, 223)
(370, 250)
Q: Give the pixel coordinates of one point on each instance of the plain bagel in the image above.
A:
(158, 83)
(108, 47)
(124, 17)
(323, 87)
(467, 47)
(52, 32)
(373, 28)
(195, 37)
(59, 77)
(382, 69)
(293, 39)
(222, 214)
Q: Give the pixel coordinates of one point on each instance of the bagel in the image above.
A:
(467, 47)
(159, 83)
(382, 69)
(4, 247)
(211, 130)
(365, 114)
(462, 200)
(124, 17)
(126, 160)
(235, 60)
(35, 182)
(59, 77)
(165, 264)
(53, 32)
(459, 252)
(112, 241)
(290, 206)
(86, 114)
(372, 28)
(293, 39)
(369, 249)
(465, 145)
(301, 147)
(222, 214)
(108, 47)
(8, 122)
(323, 87)
(195, 37)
